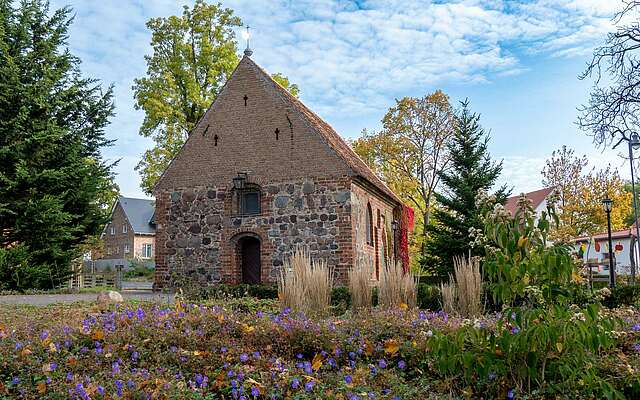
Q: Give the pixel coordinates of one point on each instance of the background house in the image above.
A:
(129, 235)
(595, 250)
(538, 200)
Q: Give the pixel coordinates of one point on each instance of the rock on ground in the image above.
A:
(108, 297)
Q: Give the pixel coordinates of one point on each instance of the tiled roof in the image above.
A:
(139, 212)
(536, 197)
(622, 234)
(326, 132)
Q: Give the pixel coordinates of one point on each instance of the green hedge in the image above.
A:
(428, 295)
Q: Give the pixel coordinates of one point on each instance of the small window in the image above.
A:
(126, 249)
(113, 230)
(250, 202)
(108, 250)
(369, 225)
(125, 228)
(147, 251)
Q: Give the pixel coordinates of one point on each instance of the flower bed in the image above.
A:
(200, 351)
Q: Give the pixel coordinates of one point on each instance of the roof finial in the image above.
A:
(245, 35)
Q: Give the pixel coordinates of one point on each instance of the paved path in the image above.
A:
(46, 299)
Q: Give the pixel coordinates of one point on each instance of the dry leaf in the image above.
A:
(404, 306)
(316, 363)
(98, 334)
(42, 387)
(391, 347)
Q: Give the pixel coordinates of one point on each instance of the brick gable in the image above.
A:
(246, 137)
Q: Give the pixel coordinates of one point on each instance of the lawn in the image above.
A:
(251, 349)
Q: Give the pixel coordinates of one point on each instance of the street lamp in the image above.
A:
(607, 204)
(239, 181)
(394, 226)
(634, 144)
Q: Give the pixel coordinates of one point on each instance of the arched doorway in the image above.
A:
(249, 252)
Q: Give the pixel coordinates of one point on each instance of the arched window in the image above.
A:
(369, 225)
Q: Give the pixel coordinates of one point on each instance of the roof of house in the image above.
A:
(139, 212)
(536, 197)
(330, 136)
(332, 139)
(621, 234)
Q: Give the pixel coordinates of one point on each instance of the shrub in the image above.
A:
(360, 287)
(305, 285)
(197, 293)
(396, 287)
(519, 256)
(429, 297)
(623, 295)
(340, 299)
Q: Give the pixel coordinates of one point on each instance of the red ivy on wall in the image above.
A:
(406, 225)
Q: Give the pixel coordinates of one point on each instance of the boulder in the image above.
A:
(109, 297)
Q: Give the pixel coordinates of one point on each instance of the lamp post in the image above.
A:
(394, 226)
(607, 204)
(634, 144)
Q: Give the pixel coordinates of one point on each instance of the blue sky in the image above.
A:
(516, 61)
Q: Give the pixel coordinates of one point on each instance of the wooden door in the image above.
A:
(250, 256)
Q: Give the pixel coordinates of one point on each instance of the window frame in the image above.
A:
(112, 229)
(241, 203)
(147, 247)
(125, 228)
(369, 224)
(126, 249)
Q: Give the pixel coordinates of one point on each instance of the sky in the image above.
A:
(516, 61)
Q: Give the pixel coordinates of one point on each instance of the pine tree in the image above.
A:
(471, 171)
(54, 183)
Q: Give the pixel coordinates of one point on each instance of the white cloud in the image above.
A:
(348, 57)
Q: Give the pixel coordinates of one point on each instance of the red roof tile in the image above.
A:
(536, 197)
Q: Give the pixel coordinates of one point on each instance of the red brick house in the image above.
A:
(259, 175)
(130, 233)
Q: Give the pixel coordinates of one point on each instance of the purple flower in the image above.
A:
(256, 355)
(118, 385)
(515, 330)
(255, 392)
(15, 380)
(69, 376)
(635, 327)
(223, 349)
(244, 357)
(636, 347)
(134, 355)
(402, 364)
(492, 376)
(101, 391)
(510, 394)
(299, 355)
(295, 383)
(308, 386)
(53, 366)
(382, 364)
(348, 379)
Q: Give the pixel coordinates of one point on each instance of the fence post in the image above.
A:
(118, 281)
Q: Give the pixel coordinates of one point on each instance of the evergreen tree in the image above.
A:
(471, 171)
(54, 183)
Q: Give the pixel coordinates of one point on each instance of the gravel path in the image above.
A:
(47, 299)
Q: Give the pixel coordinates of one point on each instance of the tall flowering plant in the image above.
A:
(520, 260)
